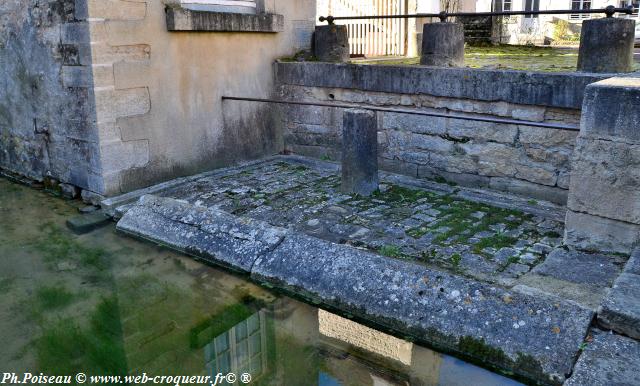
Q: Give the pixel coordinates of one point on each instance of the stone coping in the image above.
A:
(181, 19)
(561, 90)
(536, 337)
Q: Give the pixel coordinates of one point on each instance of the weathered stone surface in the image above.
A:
(590, 232)
(542, 89)
(359, 153)
(331, 43)
(579, 267)
(207, 233)
(620, 310)
(608, 360)
(606, 45)
(442, 45)
(633, 265)
(88, 222)
(610, 110)
(530, 336)
(577, 276)
(181, 19)
(604, 202)
(605, 179)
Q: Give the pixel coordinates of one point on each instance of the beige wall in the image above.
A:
(158, 103)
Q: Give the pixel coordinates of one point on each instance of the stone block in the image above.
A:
(359, 153)
(593, 269)
(606, 45)
(112, 104)
(119, 155)
(633, 265)
(608, 360)
(443, 45)
(69, 191)
(620, 310)
(125, 10)
(414, 298)
(128, 74)
(88, 222)
(529, 189)
(565, 90)
(611, 110)
(331, 43)
(414, 123)
(75, 33)
(590, 232)
(546, 137)
(77, 76)
(605, 179)
(482, 131)
(431, 143)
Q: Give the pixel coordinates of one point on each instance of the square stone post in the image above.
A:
(359, 152)
(604, 197)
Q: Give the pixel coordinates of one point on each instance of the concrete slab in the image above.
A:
(620, 310)
(608, 360)
(536, 337)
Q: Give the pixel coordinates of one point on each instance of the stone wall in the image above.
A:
(604, 204)
(525, 160)
(158, 93)
(47, 118)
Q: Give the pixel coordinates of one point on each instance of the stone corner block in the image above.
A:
(610, 110)
(620, 310)
(589, 232)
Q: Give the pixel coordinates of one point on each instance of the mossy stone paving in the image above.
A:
(433, 228)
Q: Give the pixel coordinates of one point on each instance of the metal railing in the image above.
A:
(475, 117)
(609, 11)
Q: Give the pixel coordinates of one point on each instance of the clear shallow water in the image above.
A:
(103, 304)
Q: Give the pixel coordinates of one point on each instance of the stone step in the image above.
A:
(608, 360)
(620, 309)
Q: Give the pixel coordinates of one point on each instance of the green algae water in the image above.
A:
(104, 304)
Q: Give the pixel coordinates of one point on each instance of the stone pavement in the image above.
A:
(470, 272)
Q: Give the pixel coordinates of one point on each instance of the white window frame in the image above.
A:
(504, 5)
(230, 6)
(581, 5)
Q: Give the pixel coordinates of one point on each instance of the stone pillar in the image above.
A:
(359, 152)
(606, 45)
(331, 43)
(604, 197)
(443, 45)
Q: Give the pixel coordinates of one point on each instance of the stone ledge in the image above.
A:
(534, 336)
(563, 90)
(179, 19)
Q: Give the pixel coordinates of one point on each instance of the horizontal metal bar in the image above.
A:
(609, 11)
(476, 118)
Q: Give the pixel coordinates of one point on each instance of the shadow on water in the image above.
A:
(103, 304)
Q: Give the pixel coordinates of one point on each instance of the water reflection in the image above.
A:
(106, 304)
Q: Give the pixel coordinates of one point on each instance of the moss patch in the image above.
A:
(49, 298)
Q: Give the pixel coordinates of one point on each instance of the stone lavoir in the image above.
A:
(502, 242)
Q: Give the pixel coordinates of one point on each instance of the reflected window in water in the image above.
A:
(240, 349)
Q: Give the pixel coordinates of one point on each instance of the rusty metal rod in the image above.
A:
(476, 117)
(608, 11)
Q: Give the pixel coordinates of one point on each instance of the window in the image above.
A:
(531, 5)
(502, 5)
(583, 5)
(242, 349)
(230, 6)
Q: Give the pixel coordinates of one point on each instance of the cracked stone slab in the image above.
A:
(620, 310)
(207, 233)
(608, 360)
(533, 336)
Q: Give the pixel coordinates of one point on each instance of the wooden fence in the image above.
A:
(372, 38)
